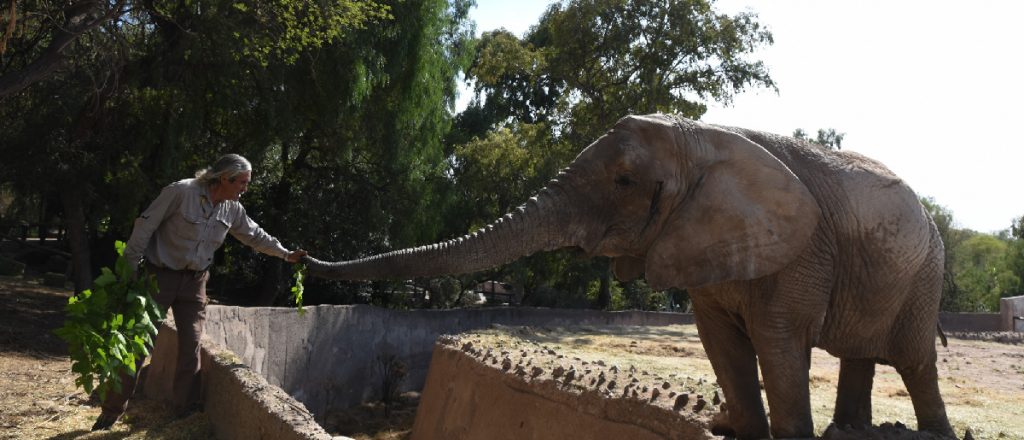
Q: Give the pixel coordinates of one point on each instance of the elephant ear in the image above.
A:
(746, 215)
(627, 267)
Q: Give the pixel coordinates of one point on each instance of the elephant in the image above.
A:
(783, 245)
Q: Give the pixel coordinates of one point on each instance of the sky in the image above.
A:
(932, 89)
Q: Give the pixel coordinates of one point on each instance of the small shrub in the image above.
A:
(10, 267)
(54, 279)
(391, 372)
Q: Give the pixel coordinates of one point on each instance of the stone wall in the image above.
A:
(327, 357)
(1010, 309)
(240, 403)
(970, 322)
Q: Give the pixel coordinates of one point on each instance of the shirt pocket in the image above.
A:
(219, 227)
(191, 227)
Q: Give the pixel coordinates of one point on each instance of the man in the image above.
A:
(178, 235)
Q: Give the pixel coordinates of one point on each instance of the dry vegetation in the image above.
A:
(38, 397)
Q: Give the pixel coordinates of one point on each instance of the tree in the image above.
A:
(311, 92)
(48, 30)
(830, 138)
(588, 63)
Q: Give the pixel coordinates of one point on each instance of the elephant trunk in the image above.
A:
(542, 223)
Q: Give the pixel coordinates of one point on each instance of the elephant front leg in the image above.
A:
(735, 363)
(853, 399)
(785, 362)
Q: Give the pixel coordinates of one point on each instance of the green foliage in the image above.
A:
(543, 97)
(110, 326)
(298, 289)
(979, 268)
(830, 138)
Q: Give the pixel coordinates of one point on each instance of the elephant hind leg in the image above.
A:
(853, 400)
(923, 385)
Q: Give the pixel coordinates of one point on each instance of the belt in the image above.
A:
(189, 272)
(192, 273)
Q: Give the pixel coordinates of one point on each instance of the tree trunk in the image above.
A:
(270, 282)
(604, 293)
(78, 239)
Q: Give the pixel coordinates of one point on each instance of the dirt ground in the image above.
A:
(38, 397)
(982, 381)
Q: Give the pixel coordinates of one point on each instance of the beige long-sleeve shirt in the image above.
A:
(182, 229)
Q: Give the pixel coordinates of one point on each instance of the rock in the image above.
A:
(701, 403)
(645, 373)
(655, 393)
(718, 397)
(635, 380)
(681, 401)
(600, 380)
(900, 425)
(636, 395)
(614, 369)
(968, 435)
(552, 352)
(611, 385)
(557, 372)
(505, 352)
(468, 346)
(671, 394)
(645, 389)
(600, 362)
(536, 371)
(830, 430)
(632, 369)
(570, 375)
(506, 364)
(666, 385)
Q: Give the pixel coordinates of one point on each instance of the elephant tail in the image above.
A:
(942, 336)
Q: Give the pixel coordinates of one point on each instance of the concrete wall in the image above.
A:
(969, 322)
(240, 403)
(1010, 309)
(326, 358)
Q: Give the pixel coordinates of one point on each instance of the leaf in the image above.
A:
(119, 245)
(105, 279)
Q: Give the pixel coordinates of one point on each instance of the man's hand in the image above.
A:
(294, 256)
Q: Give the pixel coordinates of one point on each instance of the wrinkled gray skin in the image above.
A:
(783, 246)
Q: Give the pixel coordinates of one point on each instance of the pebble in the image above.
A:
(701, 403)
(718, 398)
(681, 401)
(666, 385)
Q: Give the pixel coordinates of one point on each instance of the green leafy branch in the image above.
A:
(300, 275)
(110, 326)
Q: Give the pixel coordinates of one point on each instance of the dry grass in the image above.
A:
(38, 398)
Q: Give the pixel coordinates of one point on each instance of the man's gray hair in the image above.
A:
(230, 165)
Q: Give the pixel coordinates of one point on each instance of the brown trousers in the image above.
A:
(185, 295)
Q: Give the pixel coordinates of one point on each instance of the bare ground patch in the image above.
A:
(38, 396)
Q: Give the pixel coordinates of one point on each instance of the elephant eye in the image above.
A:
(624, 181)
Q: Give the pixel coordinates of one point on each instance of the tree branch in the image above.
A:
(52, 58)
